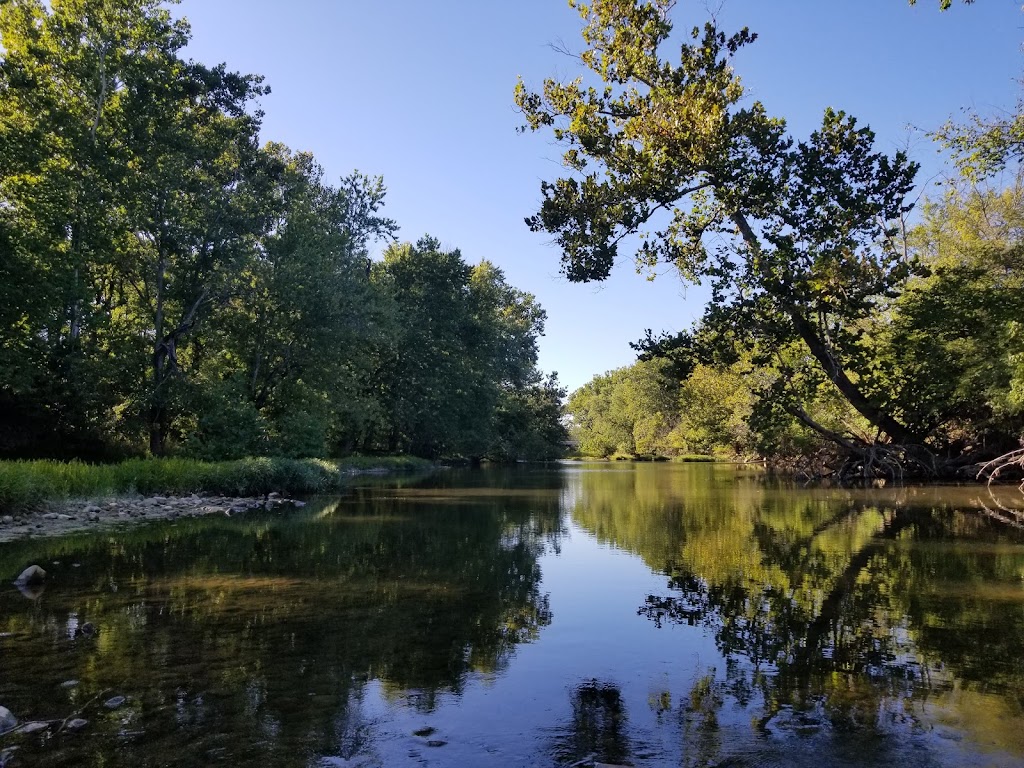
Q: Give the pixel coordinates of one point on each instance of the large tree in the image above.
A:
(133, 190)
(664, 159)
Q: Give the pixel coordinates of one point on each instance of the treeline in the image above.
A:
(169, 285)
(831, 327)
(949, 347)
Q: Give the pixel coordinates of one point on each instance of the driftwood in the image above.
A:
(1007, 464)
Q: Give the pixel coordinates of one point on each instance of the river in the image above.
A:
(632, 614)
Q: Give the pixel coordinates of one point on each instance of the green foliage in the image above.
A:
(458, 376)
(167, 283)
(953, 344)
(665, 155)
(714, 410)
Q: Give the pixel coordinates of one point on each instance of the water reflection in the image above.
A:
(253, 642)
(651, 615)
(838, 612)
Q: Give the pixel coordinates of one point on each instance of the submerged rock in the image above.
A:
(31, 575)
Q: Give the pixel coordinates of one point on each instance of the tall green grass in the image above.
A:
(24, 484)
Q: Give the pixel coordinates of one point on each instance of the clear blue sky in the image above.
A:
(421, 94)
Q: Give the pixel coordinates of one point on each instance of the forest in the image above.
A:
(851, 330)
(169, 285)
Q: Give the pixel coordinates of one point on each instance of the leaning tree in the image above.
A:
(669, 162)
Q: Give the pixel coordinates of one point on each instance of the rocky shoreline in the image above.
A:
(61, 518)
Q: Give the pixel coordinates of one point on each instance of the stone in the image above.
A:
(94, 515)
(298, 504)
(274, 495)
(115, 702)
(69, 684)
(436, 743)
(77, 724)
(8, 519)
(31, 575)
(50, 516)
(91, 508)
(7, 720)
(34, 727)
(424, 732)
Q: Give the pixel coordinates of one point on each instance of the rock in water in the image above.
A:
(115, 702)
(7, 720)
(77, 724)
(31, 575)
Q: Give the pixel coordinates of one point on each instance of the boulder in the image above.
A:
(7, 720)
(31, 575)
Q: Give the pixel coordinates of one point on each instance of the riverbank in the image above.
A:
(80, 515)
(40, 486)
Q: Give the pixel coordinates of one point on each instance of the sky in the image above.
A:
(420, 93)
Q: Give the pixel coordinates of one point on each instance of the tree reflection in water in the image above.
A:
(254, 642)
(839, 611)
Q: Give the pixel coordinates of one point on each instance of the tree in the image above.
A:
(296, 339)
(134, 178)
(662, 157)
(953, 340)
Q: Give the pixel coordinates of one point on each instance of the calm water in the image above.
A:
(650, 614)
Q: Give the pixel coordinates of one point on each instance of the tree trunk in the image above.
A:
(157, 407)
(896, 431)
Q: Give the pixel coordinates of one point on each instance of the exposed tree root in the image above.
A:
(1009, 465)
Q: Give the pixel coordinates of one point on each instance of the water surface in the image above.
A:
(641, 614)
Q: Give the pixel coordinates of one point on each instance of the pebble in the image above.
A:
(34, 727)
(69, 684)
(77, 724)
(115, 702)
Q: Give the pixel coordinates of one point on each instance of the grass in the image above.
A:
(25, 484)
